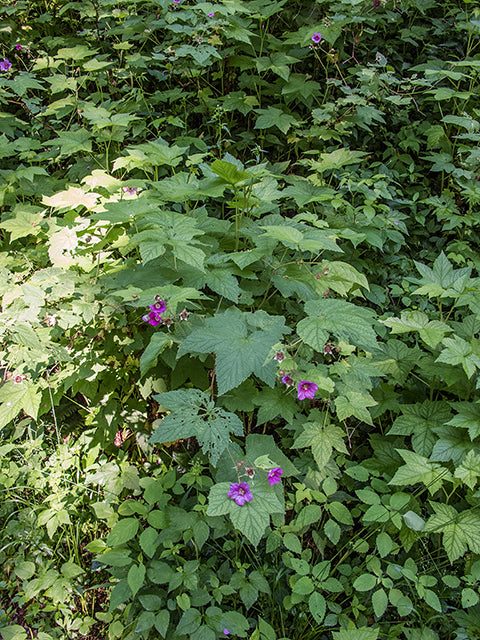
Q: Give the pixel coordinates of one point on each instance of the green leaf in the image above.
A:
(25, 396)
(157, 344)
(419, 469)
(25, 223)
(355, 404)
(72, 142)
(24, 570)
(323, 437)
(379, 602)
(194, 414)
(413, 521)
(459, 351)
(341, 319)
(241, 342)
(420, 421)
(253, 517)
(442, 280)
(337, 159)
(273, 117)
(460, 531)
(223, 282)
(122, 532)
(431, 331)
(468, 417)
(229, 172)
(469, 597)
(136, 577)
(273, 403)
(469, 471)
(317, 606)
(364, 633)
(303, 586)
(162, 620)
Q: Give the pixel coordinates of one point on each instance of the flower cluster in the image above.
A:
(241, 493)
(154, 318)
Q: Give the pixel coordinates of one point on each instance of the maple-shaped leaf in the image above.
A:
(25, 223)
(419, 469)
(469, 471)
(355, 404)
(241, 342)
(460, 531)
(341, 319)
(194, 414)
(442, 280)
(431, 331)
(15, 398)
(322, 437)
(452, 444)
(459, 351)
(274, 403)
(419, 421)
(73, 197)
(468, 417)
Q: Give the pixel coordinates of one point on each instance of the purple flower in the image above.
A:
(226, 632)
(376, 4)
(158, 307)
(240, 492)
(5, 64)
(177, 1)
(279, 356)
(153, 318)
(317, 37)
(18, 47)
(130, 189)
(306, 389)
(274, 476)
(210, 15)
(288, 381)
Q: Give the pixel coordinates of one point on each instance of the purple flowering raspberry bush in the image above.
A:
(240, 320)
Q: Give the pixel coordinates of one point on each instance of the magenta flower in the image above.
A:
(153, 318)
(279, 356)
(18, 47)
(274, 476)
(306, 389)
(226, 632)
(376, 4)
(211, 15)
(5, 64)
(288, 381)
(158, 307)
(317, 37)
(240, 492)
(130, 190)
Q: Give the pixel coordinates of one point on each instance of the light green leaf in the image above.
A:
(431, 331)
(459, 351)
(419, 469)
(323, 437)
(355, 404)
(469, 471)
(337, 159)
(122, 532)
(25, 396)
(468, 417)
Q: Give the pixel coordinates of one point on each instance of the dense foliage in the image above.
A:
(240, 319)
